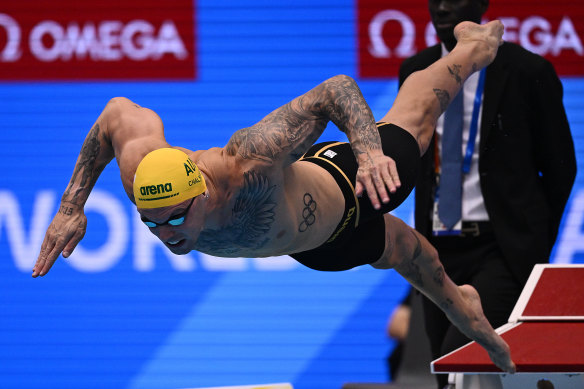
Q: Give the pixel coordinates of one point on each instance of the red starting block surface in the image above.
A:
(552, 293)
(545, 330)
(535, 347)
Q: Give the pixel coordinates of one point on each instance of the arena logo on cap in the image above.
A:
(142, 40)
(388, 36)
(155, 189)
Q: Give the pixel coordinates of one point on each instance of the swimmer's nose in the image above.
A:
(165, 233)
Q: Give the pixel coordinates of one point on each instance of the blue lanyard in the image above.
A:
(474, 124)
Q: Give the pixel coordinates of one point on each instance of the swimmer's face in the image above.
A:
(177, 226)
(446, 14)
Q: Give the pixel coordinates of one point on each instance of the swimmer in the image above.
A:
(271, 191)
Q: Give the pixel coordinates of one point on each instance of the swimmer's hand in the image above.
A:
(377, 174)
(64, 233)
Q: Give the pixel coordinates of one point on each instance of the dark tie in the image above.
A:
(450, 195)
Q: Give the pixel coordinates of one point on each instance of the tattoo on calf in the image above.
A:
(252, 217)
(308, 214)
(438, 276)
(418, 249)
(445, 305)
(443, 98)
(86, 166)
(455, 73)
(412, 269)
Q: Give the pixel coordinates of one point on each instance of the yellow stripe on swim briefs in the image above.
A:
(348, 182)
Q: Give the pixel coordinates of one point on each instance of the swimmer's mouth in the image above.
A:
(175, 243)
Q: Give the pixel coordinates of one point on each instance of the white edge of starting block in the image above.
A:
(517, 313)
(283, 385)
(504, 328)
(526, 293)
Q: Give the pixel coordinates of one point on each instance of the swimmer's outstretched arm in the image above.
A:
(123, 130)
(289, 131)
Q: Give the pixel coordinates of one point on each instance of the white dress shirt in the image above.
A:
(473, 205)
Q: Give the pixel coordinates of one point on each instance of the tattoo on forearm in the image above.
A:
(455, 73)
(438, 276)
(443, 98)
(86, 166)
(350, 112)
(252, 217)
(308, 215)
(446, 304)
(294, 127)
(65, 210)
(283, 131)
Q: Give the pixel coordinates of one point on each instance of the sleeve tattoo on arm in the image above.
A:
(86, 166)
(350, 112)
(285, 131)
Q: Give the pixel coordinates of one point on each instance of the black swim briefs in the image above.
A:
(359, 238)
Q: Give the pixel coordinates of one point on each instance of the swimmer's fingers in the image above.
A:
(366, 181)
(62, 236)
(68, 250)
(390, 175)
(49, 252)
(46, 248)
(377, 174)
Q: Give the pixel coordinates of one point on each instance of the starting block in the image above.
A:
(545, 333)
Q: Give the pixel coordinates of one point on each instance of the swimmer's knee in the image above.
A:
(405, 245)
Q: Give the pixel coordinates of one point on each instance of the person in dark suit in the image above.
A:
(516, 181)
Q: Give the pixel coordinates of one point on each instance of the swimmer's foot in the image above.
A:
(483, 333)
(487, 38)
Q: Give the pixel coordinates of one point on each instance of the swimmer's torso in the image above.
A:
(259, 211)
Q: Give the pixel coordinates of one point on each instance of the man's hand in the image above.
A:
(376, 175)
(64, 233)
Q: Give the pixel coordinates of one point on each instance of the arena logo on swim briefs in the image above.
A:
(390, 33)
(67, 39)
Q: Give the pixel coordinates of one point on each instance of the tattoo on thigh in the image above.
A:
(443, 98)
(308, 215)
(439, 276)
(455, 73)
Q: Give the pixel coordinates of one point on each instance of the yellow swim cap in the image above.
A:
(166, 177)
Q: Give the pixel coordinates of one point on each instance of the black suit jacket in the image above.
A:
(527, 163)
